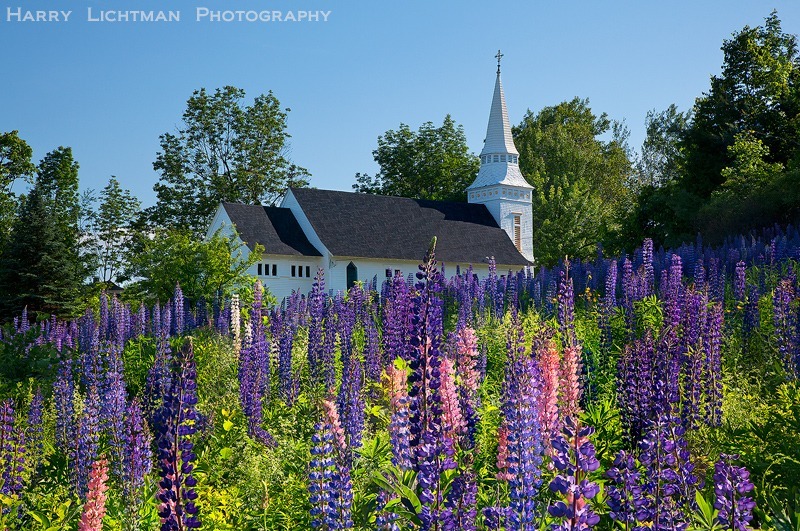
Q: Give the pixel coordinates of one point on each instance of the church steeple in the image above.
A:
(499, 157)
(499, 184)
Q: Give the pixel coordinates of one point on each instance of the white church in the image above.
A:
(360, 237)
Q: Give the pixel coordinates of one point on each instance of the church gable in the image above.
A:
(371, 226)
(276, 229)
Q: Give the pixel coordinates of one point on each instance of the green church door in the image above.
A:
(352, 275)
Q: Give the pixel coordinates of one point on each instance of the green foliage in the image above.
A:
(41, 266)
(224, 151)
(204, 268)
(732, 164)
(431, 163)
(111, 228)
(15, 163)
(580, 179)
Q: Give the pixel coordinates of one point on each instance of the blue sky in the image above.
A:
(109, 90)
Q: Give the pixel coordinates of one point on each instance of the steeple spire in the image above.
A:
(499, 157)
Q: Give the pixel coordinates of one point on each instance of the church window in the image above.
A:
(397, 272)
(308, 271)
(274, 270)
(352, 275)
(259, 269)
(518, 232)
(294, 271)
(388, 273)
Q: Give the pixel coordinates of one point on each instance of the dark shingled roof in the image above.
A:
(374, 226)
(273, 227)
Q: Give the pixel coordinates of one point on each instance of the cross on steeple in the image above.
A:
(499, 56)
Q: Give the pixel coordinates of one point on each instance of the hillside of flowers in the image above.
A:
(652, 391)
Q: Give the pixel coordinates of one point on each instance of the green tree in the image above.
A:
(753, 194)
(659, 162)
(203, 268)
(41, 267)
(111, 228)
(15, 163)
(430, 163)
(224, 151)
(581, 180)
(757, 91)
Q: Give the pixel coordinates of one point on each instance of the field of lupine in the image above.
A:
(653, 391)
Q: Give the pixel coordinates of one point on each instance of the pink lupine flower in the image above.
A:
(570, 389)
(453, 420)
(466, 358)
(502, 454)
(332, 416)
(548, 398)
(95, 508)
(399, 434)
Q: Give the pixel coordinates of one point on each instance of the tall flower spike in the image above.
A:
(329, 483)
(548, 397)
(731, 486)
(177, 422)
(397, 380)
(625, 497)
(574, 458)
(524, 447)
(95, 507)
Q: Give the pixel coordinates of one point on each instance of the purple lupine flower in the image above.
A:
(786, 326)
(254, 376)
(752, 316)
(316, 315)
(178, 312)
(396, 320)
(12, 451)
(177, 422)
(712, 373)
(566, 311)
(385, 520)
(738, 281)
(462, 502)
(64, 399)
(329, 484)
(574, 458)
(491, 289)
(647, 266)
(86, 445)
(524, 446)
(731, 485)
(625, 500)
(372, 354)
(137, 461)
(283, 328)
(699, 275)
(397, 381)
(351, 403)
(34, 432)
(432, 453)
(671, 481)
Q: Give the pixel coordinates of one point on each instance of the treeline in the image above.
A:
(726, 166)
(59, 248)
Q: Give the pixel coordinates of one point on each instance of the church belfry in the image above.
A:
(499, 184)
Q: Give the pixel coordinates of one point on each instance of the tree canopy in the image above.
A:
(203, 268)
(580, 179)
(42, 267)
(225, 150)
(430, 163)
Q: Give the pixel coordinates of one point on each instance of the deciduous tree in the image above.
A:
(224, 151)
(430, 163)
